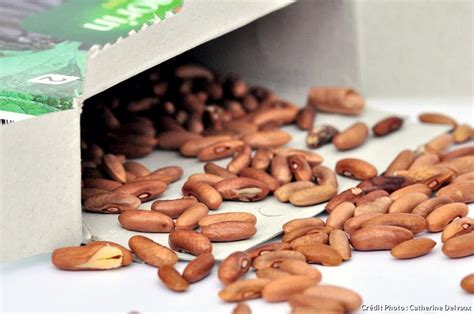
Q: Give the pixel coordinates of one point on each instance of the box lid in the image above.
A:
(75, 48)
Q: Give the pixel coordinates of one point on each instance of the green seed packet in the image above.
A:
(43, 47)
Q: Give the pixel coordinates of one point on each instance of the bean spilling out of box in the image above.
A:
(189, 108)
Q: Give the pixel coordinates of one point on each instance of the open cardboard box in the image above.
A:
(40, 200)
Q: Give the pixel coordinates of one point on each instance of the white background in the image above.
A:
(34, 284)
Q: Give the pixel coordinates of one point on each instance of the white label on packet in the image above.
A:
(53, 79)
(7, 117)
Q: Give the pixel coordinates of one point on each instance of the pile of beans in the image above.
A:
(190, 109)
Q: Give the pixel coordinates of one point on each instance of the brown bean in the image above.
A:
(145, 221)
(241, 159)
(172, 279)
(114, 168)
(136, 168)
(220, 150)
(413, 248)
(283, 192)
(440, 217)
(204, 193)
(348, 298)
(426, 159)
(176, 139)
(355, 168)
(151, 252)
(212, 168)
(380, 237)
(192, 147)
(189, 241)
(340, 215)
(355, 223)
(414, 188)
(349, 195)
(281, 289)
(302, 222)
(460, 246)
(467, 283)
(173, 208)
(274, 258)
(189, 219)
(86, 192)
(297, 267)
(199, 268)
(205, 177)
(243, 290)
(336, 100)
(272, 273)
(153, 177)
(339, 241)
(174, 172)
(97, 255)
(317, 237)
(412, 222)
(242, 189)
(300, 168)
(283, 115)
(371, 196)
(233, 267)
(261, 176)
(440, 143)
(266, 139)
(129, 150)
(242, 308)
(386, 183)
(226, 231)
(325, 176)
(262, 158)
(229, 216)
(380, 205)
(457, 227)
(468, 176)
(462, 133)
(459, 152)
(426, 207)
(403, 161)
(320, 135)
(434, 177)
(303, 304)
(305, 118)
(93, 153)
(192, 71)
(265, 248)
(314, 159)
(352, 137)
(320, 253)
(407, 203)
(460, 165)
(241, 126)
(459, 192)
(103, 184)
(144, 190)
(436, 118)
(313, 195)
(387, 126)
(304, 230)
(111, 203)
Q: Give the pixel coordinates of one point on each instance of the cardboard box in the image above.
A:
(308, 43)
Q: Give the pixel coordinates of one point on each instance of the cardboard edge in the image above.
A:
(158, 42)
(38, 212)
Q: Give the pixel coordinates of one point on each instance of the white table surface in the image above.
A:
(386, 284)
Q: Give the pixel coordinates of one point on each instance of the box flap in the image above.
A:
(198, 22)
